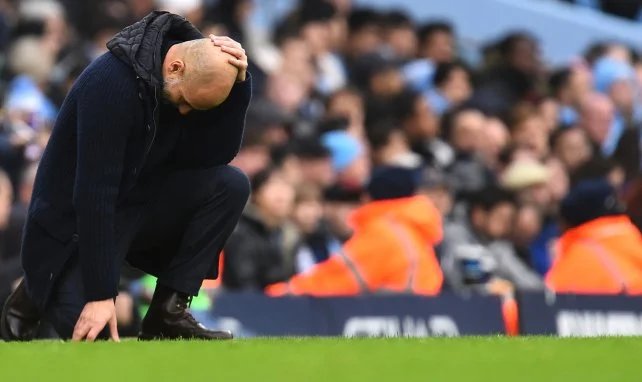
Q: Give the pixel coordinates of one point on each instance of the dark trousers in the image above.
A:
(176, 237)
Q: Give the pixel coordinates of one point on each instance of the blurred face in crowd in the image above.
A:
(495, 223)
(596, 116)
(538, 195)
(525, 56)
(549, 110)
(621, 92)
(618, 52)
(439, 47)
(527, 225)
(423, 124)
(402, 41)
(387, 83)
(296, 60)
(581, 83)
(558, 183)
(457, 87)
(531, 133)
(317, 171)
(338, 33)
(252, 159)
(441, 198)
(364, 41)
(338, 215)
(467, 131)
(343, 6)
(573, 148)
(318, 36)
(286, 91)
(494, 139)
(307, 214)
(275, 199)
(348, 104)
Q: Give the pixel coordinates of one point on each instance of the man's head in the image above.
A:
(400, 35)
(453, 81)
(388, 143)
(464, 129)
(571, 146)
(437, 42)
(568, 85)
(272, 195)
(521, 51)
(197, 75)
(615, 79)
(492, 212)
(596, 116)
(364, 32)
(414, 115)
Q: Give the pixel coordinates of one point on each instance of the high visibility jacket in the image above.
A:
(603, 256)
(391, 251)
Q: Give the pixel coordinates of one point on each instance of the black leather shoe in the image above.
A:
(169, 319)
(20, 319)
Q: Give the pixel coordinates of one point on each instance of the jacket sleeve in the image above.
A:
(105, 116)
(517, 272)
(213, 137)
(448, 251)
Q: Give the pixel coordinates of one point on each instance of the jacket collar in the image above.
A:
(139, 45)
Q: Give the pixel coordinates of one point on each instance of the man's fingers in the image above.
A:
(242, 65)
(94, 332)
(225, 41)
(113, 329)
(236, 52)
(80, 330)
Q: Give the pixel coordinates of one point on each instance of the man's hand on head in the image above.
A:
(234, 49)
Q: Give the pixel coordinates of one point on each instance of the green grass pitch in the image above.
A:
(469, 359)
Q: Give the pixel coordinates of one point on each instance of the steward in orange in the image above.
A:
(391, 250)
(601, 250)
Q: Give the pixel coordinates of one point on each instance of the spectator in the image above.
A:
(413, 114)
(400, 35)
(364, 35)
(568, 85)
(391, 250)
(597, 118)
(452, 87)
(254, 154)
(390, 146)
(493, 142)
(572, 147)
(339, 205)
(476, 254)
(615, 79)
(600, 240)
(255, 253)
(529, 131)
(316, 162)
(349, 159)
(316, 243)
(438, 188)
(463, 129)
(348, 103)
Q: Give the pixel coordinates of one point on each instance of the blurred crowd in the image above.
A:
(344, 96)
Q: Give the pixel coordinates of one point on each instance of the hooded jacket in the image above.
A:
(104, 131)
(391, 251)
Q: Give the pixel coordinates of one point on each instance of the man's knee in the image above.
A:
(236, 185)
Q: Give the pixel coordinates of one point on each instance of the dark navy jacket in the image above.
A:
(104, 131)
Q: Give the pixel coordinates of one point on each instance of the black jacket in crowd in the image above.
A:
(254, 256)
(99, 145)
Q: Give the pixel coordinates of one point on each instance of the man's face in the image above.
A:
(276, 199)
(185, 96)
(364, 41)
(440, 47)
(573, 149)
(497, 223)
(622, 95)
(318, 171)
(531, 134)
(423, 124)
(441, 198)
(337, 214)
(458, 88)
(403, 42)
(467, 131)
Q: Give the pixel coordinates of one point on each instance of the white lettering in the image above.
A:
(386, 326)
(592, 324)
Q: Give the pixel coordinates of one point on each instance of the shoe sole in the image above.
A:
(5, 334)
(151, 337)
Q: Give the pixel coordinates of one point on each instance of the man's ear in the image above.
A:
(176, 67)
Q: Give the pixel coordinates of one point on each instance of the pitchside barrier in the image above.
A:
(580, 316)
(249, 315)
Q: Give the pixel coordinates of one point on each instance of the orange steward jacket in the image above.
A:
(603, 256)
(391, 251)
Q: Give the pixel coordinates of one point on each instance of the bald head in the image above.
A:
(198, 75)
